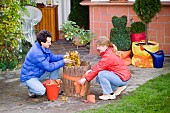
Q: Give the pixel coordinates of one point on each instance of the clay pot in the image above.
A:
(125, 55)
(91, 98)
(77, 42)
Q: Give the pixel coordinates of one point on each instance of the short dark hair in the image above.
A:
(42, 36)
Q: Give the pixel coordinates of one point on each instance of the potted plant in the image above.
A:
(77, 35)
(137, 31)
(83, 37)
(145, 10)
(69, 30)
(120, 36)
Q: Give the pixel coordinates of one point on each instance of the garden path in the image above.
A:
(14, 99)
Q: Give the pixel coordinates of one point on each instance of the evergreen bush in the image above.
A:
(137, 27)
(79, 14)
(120, 34)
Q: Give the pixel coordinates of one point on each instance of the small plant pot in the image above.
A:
(125, 55)
(137, 37)
(91, 98)
(77, 42)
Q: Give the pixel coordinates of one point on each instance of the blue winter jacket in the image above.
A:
(39, 60)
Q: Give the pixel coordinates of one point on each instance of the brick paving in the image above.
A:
(14, 99)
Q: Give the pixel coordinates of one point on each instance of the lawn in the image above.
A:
(151, 97)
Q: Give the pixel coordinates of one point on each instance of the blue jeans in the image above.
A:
(34, 84)
(109, 81)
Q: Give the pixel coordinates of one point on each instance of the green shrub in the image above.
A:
(79, 14)
(120, 34)
(138, 27)
(119, 23)
(11, 36)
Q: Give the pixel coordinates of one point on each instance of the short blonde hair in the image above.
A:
(103, 40)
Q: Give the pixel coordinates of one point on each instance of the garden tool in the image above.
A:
(157, 57)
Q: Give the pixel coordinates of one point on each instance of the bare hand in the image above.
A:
(68, 61)
(65, 56)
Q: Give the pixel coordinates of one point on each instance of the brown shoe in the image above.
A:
(119, 90)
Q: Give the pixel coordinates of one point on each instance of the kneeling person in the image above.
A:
(39, 63)
(111, 72)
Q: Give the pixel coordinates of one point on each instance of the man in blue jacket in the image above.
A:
(39, 63)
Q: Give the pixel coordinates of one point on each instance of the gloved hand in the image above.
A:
(82, 81)
(88, 71)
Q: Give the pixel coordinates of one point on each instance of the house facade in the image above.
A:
(101, 13)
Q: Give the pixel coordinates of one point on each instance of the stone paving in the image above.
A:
(14, 99)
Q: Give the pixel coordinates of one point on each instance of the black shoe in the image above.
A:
(61, 93)
(32, 95)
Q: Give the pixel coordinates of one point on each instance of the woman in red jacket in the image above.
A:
(111, 71)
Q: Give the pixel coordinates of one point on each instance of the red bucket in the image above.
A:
(52, 89)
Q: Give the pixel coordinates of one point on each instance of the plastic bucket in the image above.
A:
(158, 59)
(52, 90)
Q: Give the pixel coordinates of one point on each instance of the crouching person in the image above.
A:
(39, 63)
(111, 72)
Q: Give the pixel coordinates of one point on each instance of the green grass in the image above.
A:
(151, 97)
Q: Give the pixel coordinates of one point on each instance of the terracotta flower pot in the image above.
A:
(125, 55)
(91, 98)
(77, 42)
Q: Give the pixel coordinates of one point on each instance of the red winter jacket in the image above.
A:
(110, 62)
